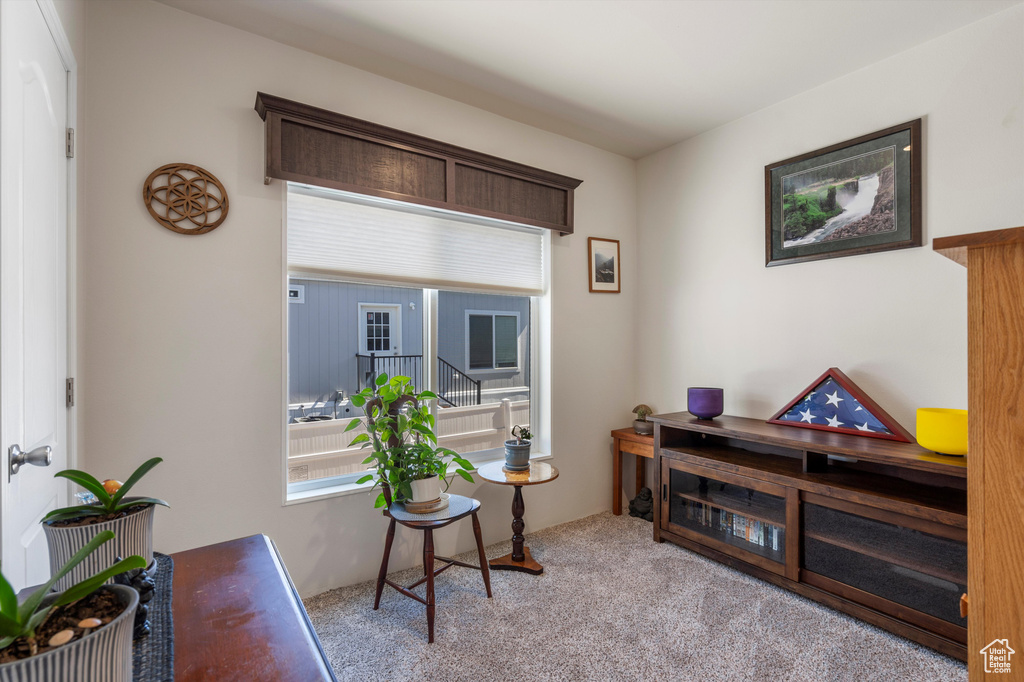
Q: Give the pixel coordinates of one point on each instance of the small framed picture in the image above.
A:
(604, 265)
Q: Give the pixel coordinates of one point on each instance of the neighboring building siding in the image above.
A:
(323, 335)
(451, 325)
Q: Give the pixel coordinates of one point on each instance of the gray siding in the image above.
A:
(451, 326)
(323, 335)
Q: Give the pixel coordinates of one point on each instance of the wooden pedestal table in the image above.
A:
(539, 472)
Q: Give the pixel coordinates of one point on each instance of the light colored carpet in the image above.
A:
(610, 605)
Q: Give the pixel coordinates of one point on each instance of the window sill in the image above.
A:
(345, 489)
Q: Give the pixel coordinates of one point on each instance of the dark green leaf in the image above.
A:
(380, 501)
(75, 512)
(358, 400)
(354, 424)
(365, 479)
(381, 379)
(465, 474)
(8, 600)
(10, 627)
(134, 478)
(91, 584)
(140, 500)
(32, 603)
(427, 395)
(87, 481)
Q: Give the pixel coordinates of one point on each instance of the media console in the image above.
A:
(874, 528)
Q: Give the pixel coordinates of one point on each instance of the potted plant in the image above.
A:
(131, 518)
(408, 464)
(640, 424)
(517, 449)
(83, 633)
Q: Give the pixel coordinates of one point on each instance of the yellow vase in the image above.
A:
(942, 430)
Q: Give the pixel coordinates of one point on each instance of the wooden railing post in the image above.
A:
(506, 417)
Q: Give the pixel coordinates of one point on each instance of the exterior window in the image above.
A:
(465, 326)
(493, 340)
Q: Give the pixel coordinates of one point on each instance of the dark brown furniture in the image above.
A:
(628, 440)
(995, 344)
(539, 472)
(237, 616)
(875, 528)
(459, 507)
(324, 148)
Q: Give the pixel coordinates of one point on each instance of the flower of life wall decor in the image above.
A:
(185, 198)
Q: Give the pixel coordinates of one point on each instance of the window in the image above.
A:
(380, 328)
(373, 275)
(492, 340)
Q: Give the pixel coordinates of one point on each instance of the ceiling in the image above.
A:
(629, 76)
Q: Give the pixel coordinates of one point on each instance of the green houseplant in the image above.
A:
(130, 518)
(400, 433)
(40, 640)
(517, 449)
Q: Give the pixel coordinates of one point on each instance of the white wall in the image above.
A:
(895, 322)
(181, 337)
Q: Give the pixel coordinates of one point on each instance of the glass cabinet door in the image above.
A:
(733, 514)
(900, 564)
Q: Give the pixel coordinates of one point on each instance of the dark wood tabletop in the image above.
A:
(907, 455)
(237, 616)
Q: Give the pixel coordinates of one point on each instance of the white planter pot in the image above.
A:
(133, 534)
(101, 656)
(426, 489)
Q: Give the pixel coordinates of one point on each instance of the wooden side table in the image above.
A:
(628, 440)
(539, 472)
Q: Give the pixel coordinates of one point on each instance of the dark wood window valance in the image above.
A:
(319, 147)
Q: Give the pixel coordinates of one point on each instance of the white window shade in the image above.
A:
(334, 234)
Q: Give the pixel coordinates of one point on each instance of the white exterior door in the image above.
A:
(33, 282)
(380, 328)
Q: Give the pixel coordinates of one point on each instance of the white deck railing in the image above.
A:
(321, 449)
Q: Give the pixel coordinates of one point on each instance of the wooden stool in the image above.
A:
(458, 507)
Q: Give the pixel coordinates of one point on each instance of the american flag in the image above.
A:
(829, 405)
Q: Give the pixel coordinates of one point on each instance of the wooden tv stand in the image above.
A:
(874, 528)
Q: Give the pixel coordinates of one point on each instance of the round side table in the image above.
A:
(539, 472)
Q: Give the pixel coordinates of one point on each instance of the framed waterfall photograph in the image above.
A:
(603, 257)
(858, 196)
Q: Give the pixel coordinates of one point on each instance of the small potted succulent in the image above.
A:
(400, 430)
(131, 518)
(83, 633)
(640, 424)
(517, 449)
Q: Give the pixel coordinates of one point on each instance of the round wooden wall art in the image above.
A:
(185, 198)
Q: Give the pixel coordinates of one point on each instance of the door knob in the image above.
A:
(40, 457)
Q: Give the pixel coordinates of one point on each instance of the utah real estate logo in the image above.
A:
(997, 656)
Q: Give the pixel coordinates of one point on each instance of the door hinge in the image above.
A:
(70, 396)
(70, 143)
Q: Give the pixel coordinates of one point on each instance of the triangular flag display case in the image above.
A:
(834, 403)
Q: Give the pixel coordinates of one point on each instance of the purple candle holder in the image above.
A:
(704, 403)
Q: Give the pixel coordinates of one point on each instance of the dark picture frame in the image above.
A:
(604, 265)
(855, 197)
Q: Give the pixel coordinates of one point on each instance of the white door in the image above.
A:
(33, 282)
(380, 328)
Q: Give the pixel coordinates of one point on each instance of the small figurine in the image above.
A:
(138, 579)
(642, 506)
